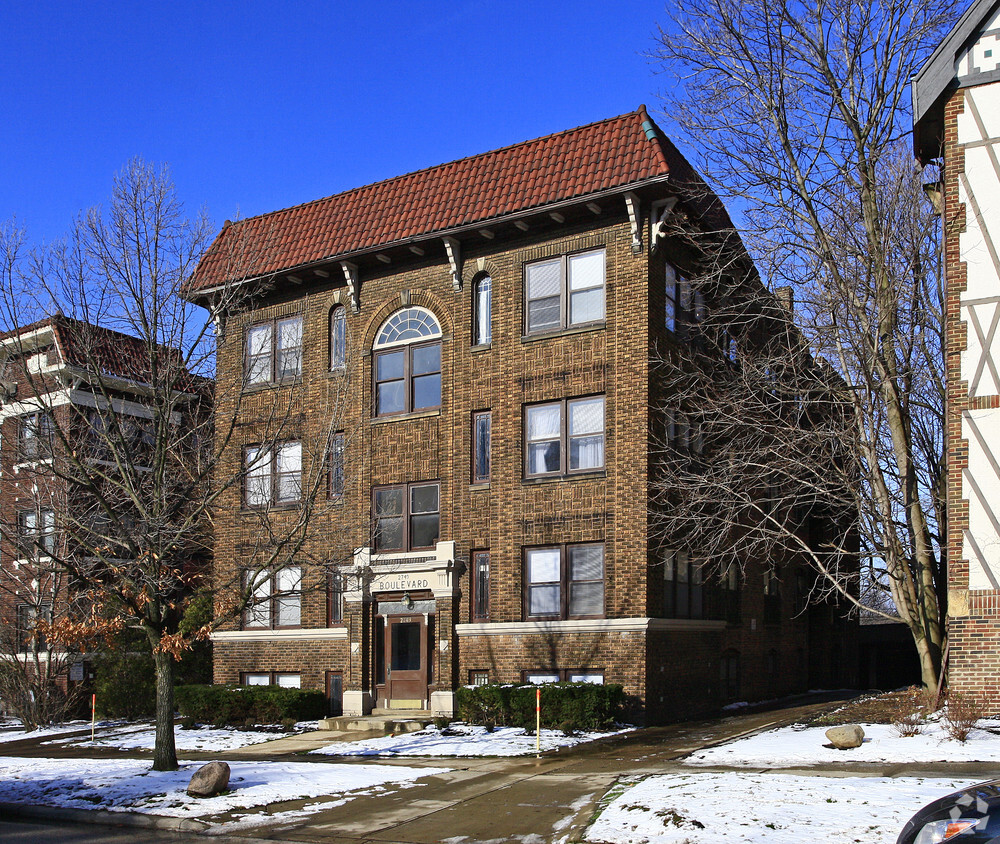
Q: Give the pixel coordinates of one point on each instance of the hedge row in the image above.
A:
(565, 706)
(236, 706)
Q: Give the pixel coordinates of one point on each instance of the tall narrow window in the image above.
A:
(335, 599)
(338, 338)
(482, 310)
(481, 423)
(337, 466)
(480, 586)
(288, 597)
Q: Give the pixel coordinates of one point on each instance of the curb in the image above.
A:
(101, 817)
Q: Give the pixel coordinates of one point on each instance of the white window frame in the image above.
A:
(273, 597)
(565, 265)
(565, 439)
(563, 583)
(265, 362)
(271, 473)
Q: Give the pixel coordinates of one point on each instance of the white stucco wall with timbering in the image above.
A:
(979, 245)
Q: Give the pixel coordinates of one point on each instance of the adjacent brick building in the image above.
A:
(956, 104)
(473, 341)
(71, 395)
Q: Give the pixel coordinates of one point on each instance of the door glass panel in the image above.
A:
(406, 646)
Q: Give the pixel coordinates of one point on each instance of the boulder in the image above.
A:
(845, 737)
(209, 780)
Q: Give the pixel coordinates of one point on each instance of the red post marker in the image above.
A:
(93, 714)
(538, 722)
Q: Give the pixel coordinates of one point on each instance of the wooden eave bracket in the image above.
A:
(454, 250)
(353, 284)
(632, 204)
(659, 228)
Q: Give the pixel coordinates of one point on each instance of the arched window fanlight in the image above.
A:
(407, 363)
(408, 325)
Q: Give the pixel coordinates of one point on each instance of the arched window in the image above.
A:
(338, 337)
(482, 310)
(407, 363)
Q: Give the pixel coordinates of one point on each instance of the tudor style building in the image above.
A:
(956, 120)
(473, 342)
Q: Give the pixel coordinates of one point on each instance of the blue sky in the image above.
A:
(257, 106)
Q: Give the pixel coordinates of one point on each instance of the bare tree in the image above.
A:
(140, 456)
(796, 109)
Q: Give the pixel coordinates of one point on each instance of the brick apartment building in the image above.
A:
(486, 327)
(62, 381)
(956, 121)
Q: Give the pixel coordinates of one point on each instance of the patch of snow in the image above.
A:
(14, 731)
(460, 740)
(143, 737)
(740, 808)
(128, 785)
(805, 746)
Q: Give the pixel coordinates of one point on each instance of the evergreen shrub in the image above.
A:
(237, 706)
(564, 706)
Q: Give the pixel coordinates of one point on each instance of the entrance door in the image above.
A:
(406, 661)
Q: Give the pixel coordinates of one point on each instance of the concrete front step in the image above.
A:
(385, 724)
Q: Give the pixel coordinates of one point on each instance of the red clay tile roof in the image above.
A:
(95, 349)
(610, 154)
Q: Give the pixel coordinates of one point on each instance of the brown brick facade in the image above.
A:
(669, 668)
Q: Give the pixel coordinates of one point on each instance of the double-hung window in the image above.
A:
(37, 533)
(684, 305)
(407, 363)
(36, 433)
(407, 517)
(564, 437)
(683, 586)
(29, 636)
(564, 292)
(273, 474)
(274, 600)
(273, 351)
(564, 581)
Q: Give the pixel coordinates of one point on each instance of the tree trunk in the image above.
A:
(164, 751)
(929, 653)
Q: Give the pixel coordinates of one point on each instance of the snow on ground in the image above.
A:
(798, 746)
(459, 740)
(143, 736)
(741, 808)
(128, 785)
(14, 731)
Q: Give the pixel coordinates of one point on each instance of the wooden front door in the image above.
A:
(406, 661)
